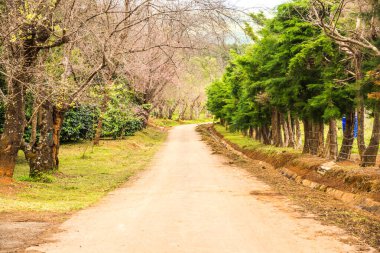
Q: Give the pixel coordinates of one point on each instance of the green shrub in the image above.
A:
(117, 124)
(79, 124)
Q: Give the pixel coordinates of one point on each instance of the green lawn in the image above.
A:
(86, 173)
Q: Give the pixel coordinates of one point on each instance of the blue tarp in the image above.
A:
(344, 124)
(355, 127)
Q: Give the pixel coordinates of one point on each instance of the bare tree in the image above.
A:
(57, 49)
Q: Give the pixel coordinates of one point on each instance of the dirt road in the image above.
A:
(193, 201)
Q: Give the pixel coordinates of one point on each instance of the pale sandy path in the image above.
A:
(192, 201)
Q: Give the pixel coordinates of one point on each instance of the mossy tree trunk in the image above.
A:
(39, 155)
(14, 125)
(42, 156)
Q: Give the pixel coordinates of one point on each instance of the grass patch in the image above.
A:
(83, 179)
(43, 179)
(248, 143)
(245, 142)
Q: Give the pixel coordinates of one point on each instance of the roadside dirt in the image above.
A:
(346, 176)
(20, 230)
(192, 201)
(323, 207)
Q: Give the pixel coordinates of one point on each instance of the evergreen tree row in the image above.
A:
(292, 83)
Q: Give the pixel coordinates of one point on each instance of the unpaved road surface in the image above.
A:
(195, 202)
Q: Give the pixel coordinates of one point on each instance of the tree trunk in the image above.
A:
(361, 131)
(316, 138)
(192, 106)
(251, 132)
(348, 138)
(265, 133)
(298, 139)
(191, 113)
(172, 109)
(285, 128)
(198, 110)
(370, 154)
(43, 156)
(273, 124)
(170, 114)
(320, 134)
(280, 142)
(99, 127)
(144, 115)
(58, 118)
(98, 132)
(331, 147)
(183, 112)
(326, 151)
(260, 133)
(40, 156)
(360, 99)
(307, 130)
(313, 138)
(14, 125)
(160, 113)
(276, 128)
(290, 131)
(33, 135)
(255, 133)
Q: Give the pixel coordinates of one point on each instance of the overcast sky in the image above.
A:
(253, 4)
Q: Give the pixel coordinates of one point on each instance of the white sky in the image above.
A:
(254, 4)
(251, 6)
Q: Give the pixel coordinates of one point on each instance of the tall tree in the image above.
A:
(353, 26)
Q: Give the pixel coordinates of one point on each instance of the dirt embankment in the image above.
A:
(344, 176)
(324, 207)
